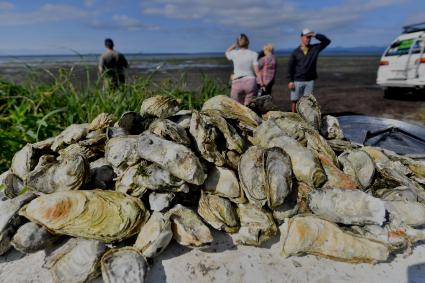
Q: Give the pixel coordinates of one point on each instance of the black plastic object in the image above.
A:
(400, 137)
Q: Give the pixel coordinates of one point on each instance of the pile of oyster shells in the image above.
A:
(111, 194)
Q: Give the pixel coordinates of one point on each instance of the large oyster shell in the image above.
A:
(188, 228)
(32, 237)
(77, 260)
(121, 152)
(11, 185)
(231, 109)
(309, 109)
(331, 128)
(103, 215)
(408, 212)
(218, 212)
(70, 135)
(265, 176)
(123, 265)
(336, 178)
(102, 121)
(257, 225)
(312, 235)
(169, 130)
(160, 106)
(351, 207)
(359, 165)
(223, 182)
(305, 165)
(176, 158)
(154, 236)
(51, 175)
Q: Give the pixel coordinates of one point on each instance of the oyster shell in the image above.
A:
(123, 265)
(70, 135)
(223, 182)
(137, 179)
(336, 178)
(154, 236)
(182, 118)
(176, 158)
(160, 201)
(51, 175)
(31, 237)
(188, 228)
(359, 165)
(133, 123)
(77, 260)
(317, 144)
(160, 106)
(409, 213)
(102, 215)
(25, 160)
(121, 152)
(262, 104)
(257, 225)
(305, 165)
(170, 131)
(102, 121)
(266, 176)
(11, 185)
(102, 174)
(231, 109)
(331, 128)
(309, 109)
(350, 207)
(312, 235)
(218, 212)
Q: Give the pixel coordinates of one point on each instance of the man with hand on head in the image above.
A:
(302, 65)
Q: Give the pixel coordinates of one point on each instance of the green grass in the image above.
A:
(36, 109)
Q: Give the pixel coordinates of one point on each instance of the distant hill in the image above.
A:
(361, 50)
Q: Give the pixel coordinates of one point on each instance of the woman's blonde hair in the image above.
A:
(268, 48)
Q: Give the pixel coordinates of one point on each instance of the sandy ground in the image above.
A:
(225, 262)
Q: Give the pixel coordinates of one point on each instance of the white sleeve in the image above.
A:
(255, 59)
(230, 55)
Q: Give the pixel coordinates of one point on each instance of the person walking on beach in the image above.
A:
(112, 65)
(302, 65)
(267, 70)
(245, 70)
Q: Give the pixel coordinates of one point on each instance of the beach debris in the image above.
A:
(123, 265)
(168, 173)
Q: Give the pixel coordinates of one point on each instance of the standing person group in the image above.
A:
(251, 73)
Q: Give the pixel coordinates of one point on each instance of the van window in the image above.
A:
(402, 47)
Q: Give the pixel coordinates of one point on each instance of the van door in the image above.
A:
(398, 56)
(414, 61)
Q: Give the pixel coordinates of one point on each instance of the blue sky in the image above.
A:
(151, 26)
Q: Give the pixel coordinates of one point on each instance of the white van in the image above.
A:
(402, 65)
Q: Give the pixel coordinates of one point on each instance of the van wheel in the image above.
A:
(390, 93)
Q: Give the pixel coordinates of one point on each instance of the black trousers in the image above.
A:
(268, 90)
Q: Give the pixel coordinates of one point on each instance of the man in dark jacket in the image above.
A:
(112, 65)
(302, 65)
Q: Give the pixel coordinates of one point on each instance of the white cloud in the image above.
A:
(6, 6)
(260, 14)
(123, 22)
(89, 3)
(46, 13)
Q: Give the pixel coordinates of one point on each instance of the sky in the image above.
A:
(192, 26)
